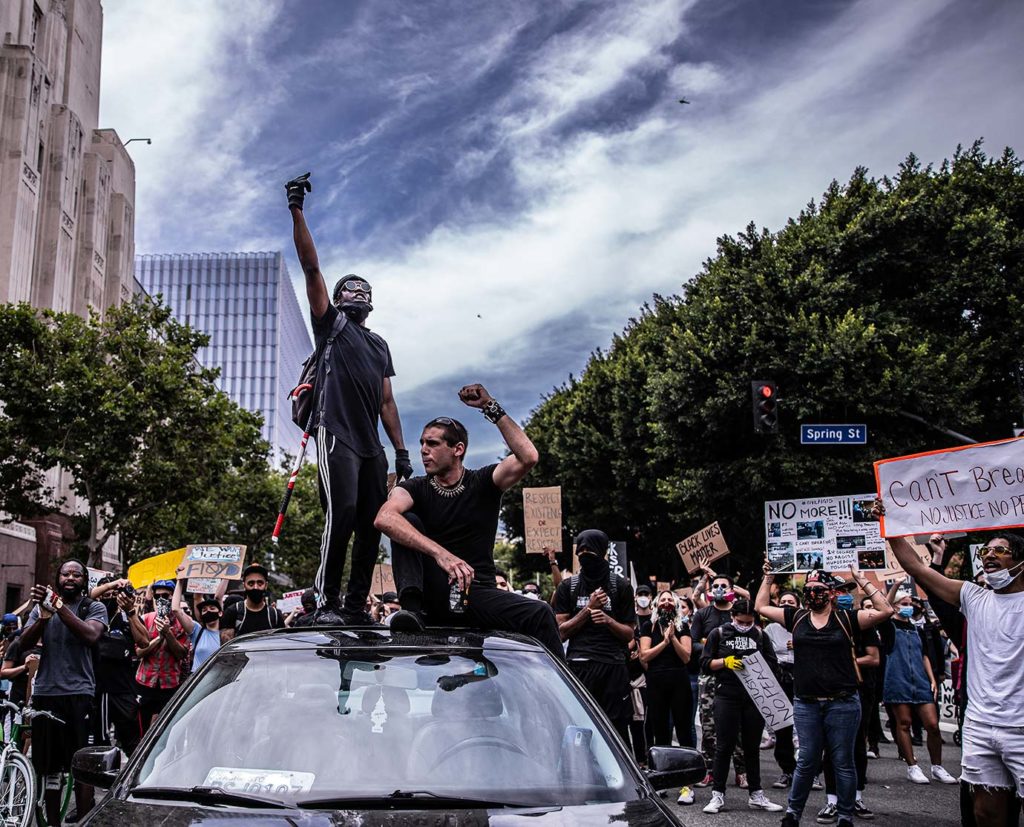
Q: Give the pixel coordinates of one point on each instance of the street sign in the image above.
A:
(833, 434)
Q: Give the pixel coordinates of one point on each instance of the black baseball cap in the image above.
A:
(208, 601)
(389, 597)
(255, 568)
(644, 589)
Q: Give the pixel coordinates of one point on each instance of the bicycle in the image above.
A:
(20, 805)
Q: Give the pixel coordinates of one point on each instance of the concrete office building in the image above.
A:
(67, 207)
(258, 339)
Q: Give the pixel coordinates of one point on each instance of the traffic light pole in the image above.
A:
(965, 439)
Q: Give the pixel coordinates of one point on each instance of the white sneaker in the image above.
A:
(939, 774)
(716, 803)
(685, 796)
(767, 740)
(872, 754)
(759, 801)
(915, 775)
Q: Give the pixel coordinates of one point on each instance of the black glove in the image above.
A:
(297, 189)
(403, 467)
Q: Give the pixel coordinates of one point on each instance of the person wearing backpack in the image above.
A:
(70, 625)
(254, 614)
(351, 393)
(595, 612)
(826, 703)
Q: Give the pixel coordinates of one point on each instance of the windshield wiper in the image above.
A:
(411, 799)
(210, 795)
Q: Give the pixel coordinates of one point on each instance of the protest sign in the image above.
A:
(222, 562)
(966, 488)
(95, 575)
(618, 558)
(383, 579)
(893, 568)
(703, 548)
(976, 567)
(764, 690)
(823, 533)
(542, 518)
(158, 567)
(290, 601)
(203, 585)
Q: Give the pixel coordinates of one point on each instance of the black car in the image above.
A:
(361, 726)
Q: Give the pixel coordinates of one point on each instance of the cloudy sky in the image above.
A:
(516, 177)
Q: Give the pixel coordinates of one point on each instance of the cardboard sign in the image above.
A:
(542, 518)
(764, 690)
(202, 585)
(702, 548)
(966, 488)
(893, 568)
(383, 579)
(290, 601)
(976, 567)
(219, 562)
(158, 567)
(827, 533)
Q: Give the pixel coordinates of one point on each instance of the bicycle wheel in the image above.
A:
(17, 791)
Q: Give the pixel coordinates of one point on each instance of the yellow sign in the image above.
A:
(159, 567)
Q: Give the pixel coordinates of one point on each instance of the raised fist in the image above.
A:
(297, 189)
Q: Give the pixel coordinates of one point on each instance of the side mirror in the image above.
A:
(97, 766)
(674, 767)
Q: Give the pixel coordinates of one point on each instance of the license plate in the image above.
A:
(260, 782)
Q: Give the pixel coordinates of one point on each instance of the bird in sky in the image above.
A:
(683, 100)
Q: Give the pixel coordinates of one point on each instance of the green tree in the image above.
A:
(121, 405)
(890, 297)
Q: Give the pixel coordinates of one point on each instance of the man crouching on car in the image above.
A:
(442, 528)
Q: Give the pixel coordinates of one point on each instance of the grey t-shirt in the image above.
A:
(65, 666)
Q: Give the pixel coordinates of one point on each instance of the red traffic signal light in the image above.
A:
(765, 406)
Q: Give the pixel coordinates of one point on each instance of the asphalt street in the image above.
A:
(894, 800)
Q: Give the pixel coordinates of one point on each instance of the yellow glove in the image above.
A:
(734, 663)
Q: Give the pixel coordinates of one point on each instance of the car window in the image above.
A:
(311, 724)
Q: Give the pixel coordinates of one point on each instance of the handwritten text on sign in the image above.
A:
(702, 548)
(764, 690)
(961, 489)
(223, 562)
(542, 518)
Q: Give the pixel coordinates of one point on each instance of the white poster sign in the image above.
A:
(967, 488)
(829, 533)
(290, 601)
(766, 693)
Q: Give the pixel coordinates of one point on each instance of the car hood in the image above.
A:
(647, 812)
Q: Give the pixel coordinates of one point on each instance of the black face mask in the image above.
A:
(666, 616)
(208, 617)
(817, 600)
(356, 311)
(593, 567)
(255, 595)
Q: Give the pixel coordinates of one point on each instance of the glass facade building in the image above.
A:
(258, 338)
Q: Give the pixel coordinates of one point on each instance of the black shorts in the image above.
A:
(609, 685)
(153, 699)
(53, 744)
(120, 711)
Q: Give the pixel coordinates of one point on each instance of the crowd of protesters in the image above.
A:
(657, 662)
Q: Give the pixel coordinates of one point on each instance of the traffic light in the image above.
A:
(764, 399)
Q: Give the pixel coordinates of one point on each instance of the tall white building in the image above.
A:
(258, 339)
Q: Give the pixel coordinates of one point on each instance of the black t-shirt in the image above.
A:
(708, 619)
(727, 640)
(252, 621)
(466, 524)
(116, 675)
(354, 386)
(866, 638)
(668, 660)
(822, 658)
(593, 642)
(19, 684)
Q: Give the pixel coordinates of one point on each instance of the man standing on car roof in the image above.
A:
(353, 390)
(442, 528)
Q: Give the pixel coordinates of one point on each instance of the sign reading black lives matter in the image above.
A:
(823, 533)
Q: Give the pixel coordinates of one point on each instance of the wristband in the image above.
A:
(492, 411)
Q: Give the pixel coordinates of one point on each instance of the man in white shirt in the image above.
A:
(993, 734)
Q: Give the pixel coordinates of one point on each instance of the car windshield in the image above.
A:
(333, 723)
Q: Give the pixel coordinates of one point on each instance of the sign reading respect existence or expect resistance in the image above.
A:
(542, 518)
(966, 488)
(823, 533)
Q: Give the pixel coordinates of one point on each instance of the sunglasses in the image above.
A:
(1002, 551)
(353, 285)
(816, 590)
(447, 422)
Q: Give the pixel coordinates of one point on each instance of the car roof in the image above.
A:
(363, 637)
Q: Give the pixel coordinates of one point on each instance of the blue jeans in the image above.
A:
(820, 724)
